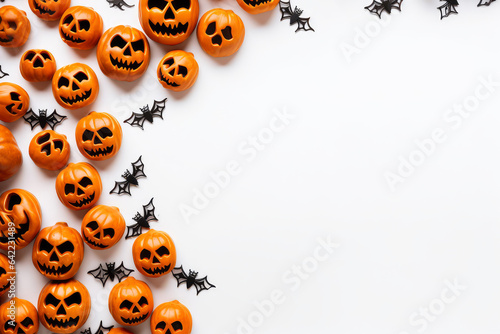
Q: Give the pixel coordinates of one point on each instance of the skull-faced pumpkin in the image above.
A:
(7, 275)
(37, 65)
(49, 10)
(14, 27)
(75, 86)
(58, 252)
(21, 208)
(26, 317)
(14, 102)
(171, 318)
(220, 32)
(98, 136)
(178, 70)
(130, 302)
(63, 306)
(154, 253)
(49, 150)
(102, 227)
(123, 53)
(258, 6)
(80, 27)
(79, 186)
(168, 22)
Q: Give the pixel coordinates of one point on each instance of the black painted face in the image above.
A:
(80, 191)
(133, 313)
(126, 55)
(55, 260)
(42, 6)
(154, 261)
(169, 18)
(61, 315)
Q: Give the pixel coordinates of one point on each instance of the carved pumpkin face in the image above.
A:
(102, 227)
(21, 208)
(123, 53)
(178, 70)
(14, 27)
(5, 277)
(154, 253)
(63, 306)
(49, 10)
(131, 302)
(11, 157)
(79, 186)
(37, 65)
(80, 27)
(172, 318)
(220, 32)
(75, 86)
(98, 136)
(49, 150)
(58, 252)
(258, 6)
(14, 102)
(168, 22)
(26, 317)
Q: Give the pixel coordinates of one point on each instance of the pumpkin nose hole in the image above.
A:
(75, 86)
(217, 40)
(98, 235)
(61, 310)
(135, 310)
(169, 14)
(54, 257)
(73, 29)
(97, 140)
(38, 63)
(80, 192)
(127, 51)
(155, 260)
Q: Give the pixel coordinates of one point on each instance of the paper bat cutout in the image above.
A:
(138, 119)
(119, 4)
(100, 330)
(123, 187)
(142, 221)
(2, 73)
(448, 8)
(199, 283)
(110, 272)
(294, 16)
(43, 119)
(378, 7)
(485, 2)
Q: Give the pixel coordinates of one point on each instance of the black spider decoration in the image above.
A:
(100, 330)
(147, 115)
(294, 16)
(485, 2)
(199, 283)
(43, 119)
(142, 221)
(119, 4)
(378, 7)
(448, 8)
(123, 187)
(2, 73)
(108, 271)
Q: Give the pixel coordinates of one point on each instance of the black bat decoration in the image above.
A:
(119, 4)
(448, 8)
(199, 283)
(43, 119)
(294, 16)
(485, 2)
(108, 271)
(378, 7)
(2, 73)
(123, 187)
(142, 221)
(147, 115)
(100, 330)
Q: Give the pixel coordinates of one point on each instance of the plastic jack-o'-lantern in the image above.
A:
(37, 65)
(79, 186)
(102, 227)
(123, 53)
(11, 157)
(14, 27)
(63, 306)
(58, 252)
(26, 317)
(258, 6)
(171, 317)
(49, 150)
(130, 302)
(14, 102)
(7, 275)
(178, 70)
(120, 330)
(154, 253)
(21, 208)
(49, 10)
(80, 27)
(75, 86)
(168, 22)
(98, 136)
(220, 32)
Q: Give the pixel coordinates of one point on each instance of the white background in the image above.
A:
(323, 175)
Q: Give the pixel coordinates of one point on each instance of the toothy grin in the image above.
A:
(10, 106)
(135, 320)
(66, 323)
(53, 270)
(100, 151)
(157, 271)
(18, 236)
(255, 3)
(93, 243)
(125, 64)
(83, 202)
(70, 38)
(168, 30)
(165, 80)
(6, 40)
(76, 99)
(41, 9)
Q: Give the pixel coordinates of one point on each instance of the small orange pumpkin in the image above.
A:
(6, 268)
(64, 306)
(154, 253)
(11, 157)
(37, 65)
(98, 136)
(49, 10)
(171, 317)
(49, 150)
(258, 6)
(131, 302)
(14, 27)
(178, 70)
(81, 27)
(75, 86)
(79, 186)
(119, 330)
(102, 227)
(26, 317)
(14, 102)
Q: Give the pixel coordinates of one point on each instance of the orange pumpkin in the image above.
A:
(178, 70)
(49, 150)
(119, 330)
(37, 65)
(79, 186)
(81, 27)
(154, 253)
(131, 302)
(123, 53)
(21, 208)
(58, 252)
(63, 306)
(220, 32)
(26, 317)
(168, 22)
(258, 6)
(14, 27)
(49, 10)
(75, 86)
(98, 136)
(171, 317)
(6, 268)
(11, 157)
(14, 102)
(102, 227)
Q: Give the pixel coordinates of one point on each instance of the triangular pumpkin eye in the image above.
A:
(84, 25)
(182, 71)
(15, 96)
(80, 76)
(27, 322)
(138, 45)
(66, 247)
(169, 62)
(143, 301)
(68, 19)
(93, 225)
(178, 4)
(75, 298)
(126, 304)
(45, 246)
(29, 56)
(162, 251)
(118, 41)
(51, 300)
(10, 325)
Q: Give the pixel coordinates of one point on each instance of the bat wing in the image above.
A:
(86, 331)
(136, 120)
(180, 275)
(303, 24)
(2, 73)
(447, 9)
(286, 10)
(133, 231)
(485, 2)
(158, 107)
(31, 118)
(100, 273)
(375, 8)
(138, 168)
(55, 119)
(149, 211)
(101, 329)
(121, 272)
(202, 284)
(121, 188)
(119, 4)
